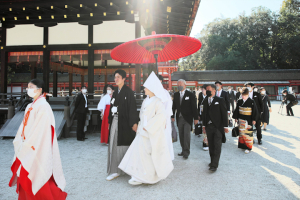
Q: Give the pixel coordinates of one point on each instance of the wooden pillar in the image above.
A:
(90, 62)
(105, 77)
(82, 80)
(145, 72)
(71, 81)
(4, 61)
(33, 70)
(138, 66)
(133, 82)
(46, 60)
(170, 79)
(54, 83)
(130, 79)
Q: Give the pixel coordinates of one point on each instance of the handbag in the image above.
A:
(198, 129)
(174, 132)
(235, 131)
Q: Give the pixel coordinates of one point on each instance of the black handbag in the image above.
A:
(235, 131)
(198, 129)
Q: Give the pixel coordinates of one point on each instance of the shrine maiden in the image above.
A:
(103, 107)
(36, 167)
(148, 159)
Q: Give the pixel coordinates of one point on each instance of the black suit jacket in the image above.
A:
(200, 102)
(80, 104)
(217, 113)
(231, 95)
(259, 102)
(224, 95)
(237, 97)
(188, 107)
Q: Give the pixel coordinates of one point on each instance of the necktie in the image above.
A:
(209, 101)
(181, 96)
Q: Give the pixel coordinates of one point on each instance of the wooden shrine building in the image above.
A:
(76, 37)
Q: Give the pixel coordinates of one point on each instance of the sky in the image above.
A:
(212, 9)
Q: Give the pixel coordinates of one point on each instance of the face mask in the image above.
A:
(250, 89)
(218, 87)
(31, 93)
(108, 91)
(180, 88)
(208, 93)
(255, 90)
(263, 92)
(229, 90)
(84, 91)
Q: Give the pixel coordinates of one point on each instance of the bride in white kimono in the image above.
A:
(148, 159)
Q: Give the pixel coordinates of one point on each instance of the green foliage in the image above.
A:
(10, 74)
(263, 40)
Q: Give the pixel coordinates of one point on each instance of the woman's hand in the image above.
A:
(144, 129)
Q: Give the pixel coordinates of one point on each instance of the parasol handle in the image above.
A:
(156, 56)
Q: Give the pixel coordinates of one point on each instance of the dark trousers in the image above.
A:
(258, 129)
(214, 137)
(289, 110)
(80, 125)
(231, 101)
(184, 129)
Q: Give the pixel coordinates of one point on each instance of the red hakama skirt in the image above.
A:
(49, 191)
(104, 126)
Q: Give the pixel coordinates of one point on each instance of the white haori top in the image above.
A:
(105, 100)
(36, 153)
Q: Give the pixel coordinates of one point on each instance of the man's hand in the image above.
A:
(198, 117)
(196, 122)
(226, 130)
(173, 119)
(270, 109)
(253, 122)
(134, 128)
(236, 120)
(203, 130)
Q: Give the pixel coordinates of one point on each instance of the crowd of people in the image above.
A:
(139, 144)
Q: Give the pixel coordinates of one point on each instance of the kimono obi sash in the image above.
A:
(245, 110)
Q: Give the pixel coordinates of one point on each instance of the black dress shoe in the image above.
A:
(213, 169)
(209, 164)
(80, 139)
(185, 157)
(259, 142)
(85, 138)
(180, 154)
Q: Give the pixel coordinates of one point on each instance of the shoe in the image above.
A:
(253, 141)
(247, 151)
(133, 182)
(112, 176)
(185, 157)
(205, 148)
(259, 142)
(180, 154)
(209, 164)
(264, 129)
(199, 135)
(85, 138)
(213, 169)
(80, 139)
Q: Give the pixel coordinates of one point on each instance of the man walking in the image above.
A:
(215, 124)
(81, 109)
(123, 118)
(232, 97)
(184, 104)
(221, 93)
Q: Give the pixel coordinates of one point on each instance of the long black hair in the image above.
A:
(38, 83)
(105, 88)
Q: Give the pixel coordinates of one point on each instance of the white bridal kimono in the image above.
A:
(148, 158)
(168, 131)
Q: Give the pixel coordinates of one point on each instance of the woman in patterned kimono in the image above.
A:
(246, 115)
(267, 108)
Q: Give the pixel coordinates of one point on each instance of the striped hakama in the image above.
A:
(115, 152)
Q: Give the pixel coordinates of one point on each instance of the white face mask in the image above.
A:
(84, 91)
(263, 92)
(250, 89)
(229, 90)
(218, 87)
(108, 91)
(255, 90)
(31, 93)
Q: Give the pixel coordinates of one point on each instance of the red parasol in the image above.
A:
(156, 48)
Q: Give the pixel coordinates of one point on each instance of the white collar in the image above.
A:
(183, 91)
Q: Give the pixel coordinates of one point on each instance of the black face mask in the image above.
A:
(208, 93)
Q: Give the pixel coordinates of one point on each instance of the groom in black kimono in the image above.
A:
(123, 119)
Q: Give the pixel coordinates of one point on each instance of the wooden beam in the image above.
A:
(33, 70)
(46, 60)
(4, 60)
(55, 83)
(90, 62)
(70, 82)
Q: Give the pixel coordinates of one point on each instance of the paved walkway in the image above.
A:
(270, 171)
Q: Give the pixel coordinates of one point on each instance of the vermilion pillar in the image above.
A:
(133, 82)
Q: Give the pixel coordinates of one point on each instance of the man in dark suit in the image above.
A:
(256, 96)
(292, 101)
(221, 93)
(81, 109)
(184, 104)
(202, 96)
(232, 97)
(215, 124)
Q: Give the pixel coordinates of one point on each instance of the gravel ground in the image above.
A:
(270, 171)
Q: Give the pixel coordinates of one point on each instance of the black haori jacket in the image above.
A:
(127, 115)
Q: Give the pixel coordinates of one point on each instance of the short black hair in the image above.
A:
(106, 86)
(121, 72)
(212, 85)
(249, 83)
(160, 77)
(245, 91)
(204, 86)
(284, 91)
(218, 82)
(38, 83)
(83, 86)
